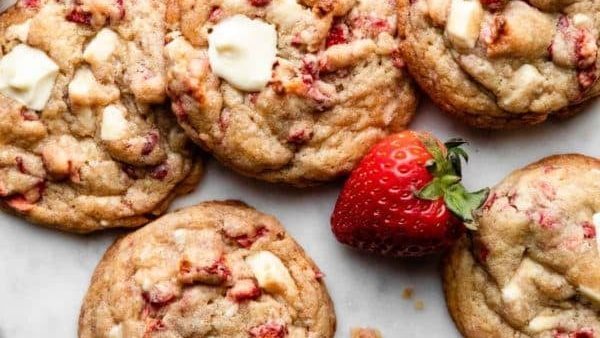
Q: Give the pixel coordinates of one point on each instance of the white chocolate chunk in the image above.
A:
(438, 11)
(543, 323)
(524, 85)
(582, 21)
(271, 274)
(179, 236)
(114, 124)
(27, 75)
(464, 22)
(19, 32)
(116, 331)
(102, 47)
(511, 292)
(242, 51)
(82, 86)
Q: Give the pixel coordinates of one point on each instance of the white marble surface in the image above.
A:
(44, 274)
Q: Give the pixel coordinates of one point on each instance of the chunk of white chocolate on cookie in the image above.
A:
(242, 51)
(271, 273)
(438, 11)
(27, 75)
(102, 47)
(464, 22)
(524, 86)
(85, 90)
(114, 124)
(19, 31)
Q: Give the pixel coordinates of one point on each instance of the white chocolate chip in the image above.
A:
(287, 13)
(116, 331)
(464, 22)
(82, 86)
(242, 51)
(27, 75)
(582, 21)
(179, 236)
(271, 274)
(19, 32)
(438, 11)
(102, 47)
(524, 85)
(543, 323)
(114, 124)
(511, 292)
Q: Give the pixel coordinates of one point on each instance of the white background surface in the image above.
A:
(44, 274)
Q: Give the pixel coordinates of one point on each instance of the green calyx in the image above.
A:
(446, 170)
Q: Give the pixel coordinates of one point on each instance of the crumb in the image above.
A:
(419, 305)
(408, 293)
(362, 332)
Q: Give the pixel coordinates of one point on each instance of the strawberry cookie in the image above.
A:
(291, 91)
(83, 144)
(219, 269)
(532, 268)
(500, 63)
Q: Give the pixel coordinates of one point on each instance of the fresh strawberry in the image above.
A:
(405, 197)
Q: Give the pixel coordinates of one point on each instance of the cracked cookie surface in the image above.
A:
(502, 64)
(337, 85)
(532, 268)
(218, 269)
(85, 141)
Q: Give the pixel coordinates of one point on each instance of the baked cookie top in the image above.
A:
(219, 269)
(532, 268)
(82, 144)
(500, 63)
(286, 90)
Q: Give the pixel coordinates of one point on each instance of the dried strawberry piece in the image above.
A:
(130, 171)
(589, 231)
(493, 5)
(244, 289)
(216, 13)
(310, 69)
(160, 171)
(300, 135)
(29, 115)
(31, 3)
(224, 119)
(151, 142)
(492, 33)
(21, 165)
(179, 110)
(585, 49)
(19, 203)
(154, 325)
(78, 15)
(397, 60)
(246, 241)
(259, 3)
(371, 25)
(337, 35)
(269, 330)
(215, 274)
(587, 77)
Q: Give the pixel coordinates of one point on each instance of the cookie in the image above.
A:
(86, 141)
(532, 268)
(502, 64)
(285, 90)
(218, 269)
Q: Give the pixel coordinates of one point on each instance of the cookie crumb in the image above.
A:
(408, 293)
(365, 332)
(419, 305)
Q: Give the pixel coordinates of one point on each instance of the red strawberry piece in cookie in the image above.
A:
(405, 197)
(214, 274)
(338, 34)
(269, 330)
(243, 290)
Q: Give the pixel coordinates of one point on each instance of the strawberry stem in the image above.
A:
(446, 169)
